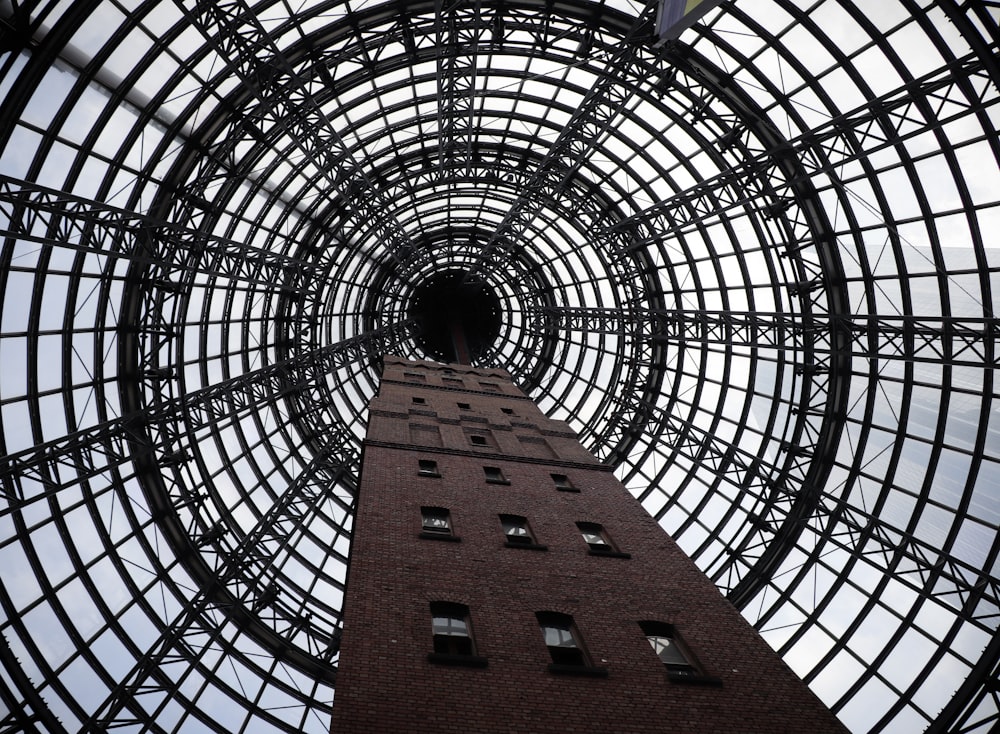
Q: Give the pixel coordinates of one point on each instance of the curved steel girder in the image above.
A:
(287, 104)
(825, 291)
(129, 439)
(575, 142)
(833, 288)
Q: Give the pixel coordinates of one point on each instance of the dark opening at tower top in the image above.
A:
(459, 316)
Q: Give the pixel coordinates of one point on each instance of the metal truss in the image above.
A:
(239, 587)
(942, 95)
(460, 31)
(752, 269)
(564, 158)
(37, 473)
(958, 341)
(33, 213)
(287, 103)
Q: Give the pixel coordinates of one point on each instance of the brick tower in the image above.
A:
(502, 580)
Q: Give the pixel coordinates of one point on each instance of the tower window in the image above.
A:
(415, 376)
(507, 411)
(518, 532)
(450, 626)
(452, 636)
(428, 468)
(565, 648)
(563, 484)
(419, 401)
(436, 523)
(597, 539)
(452, 381)
(664, 643)
(560, 638)
(670, 649)
(464, 406)
(477, 440)
(490, 386)
(494, 475)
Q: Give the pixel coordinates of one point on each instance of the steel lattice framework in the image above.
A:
(752, 268)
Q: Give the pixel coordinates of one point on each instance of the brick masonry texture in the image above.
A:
(386, 682)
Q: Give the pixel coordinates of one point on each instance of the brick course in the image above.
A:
(386, 683)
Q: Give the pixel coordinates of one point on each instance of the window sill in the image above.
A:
(588, 671)
(527, 546)
(440, 536)
(465, 661)
(695, 680)
(609, 553)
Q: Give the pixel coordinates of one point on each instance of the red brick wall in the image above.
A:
(387, 684)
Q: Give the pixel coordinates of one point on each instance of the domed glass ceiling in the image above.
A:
(754, 268)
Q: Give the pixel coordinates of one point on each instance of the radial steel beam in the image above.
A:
(240, 586)
(34, 473)
(576, 141)
(287, 103)
(33, 213)
(880, 123)
(959, 341)
(460, 31)
(918, 564)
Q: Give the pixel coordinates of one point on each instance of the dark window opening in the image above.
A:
(436, 520)
(419, 401)
(597, 539)
(670, 649)
(494, 475)
(565, 647)
(517, 530)
(507, 411)
(477, 440)
(452, 635)
(594, 536)
(560, 638)
(450, 627)
(464, 406)
(563, 484)
(428, 468)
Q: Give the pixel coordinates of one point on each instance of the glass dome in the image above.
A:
(751, 267)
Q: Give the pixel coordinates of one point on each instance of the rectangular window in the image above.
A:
(464, 406)
(452, 381)
(557, 629)
(494, 475)
(518, 532)
(435, 522)
(563, 484)
(477, 440)
(507, 411)
(428, 468)
(671, 651)
(490, 386)
(597, 539)
(594, 536)
(565, 647)
(451, 632)
(419, 401)
(415, 376)
(450, 626)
